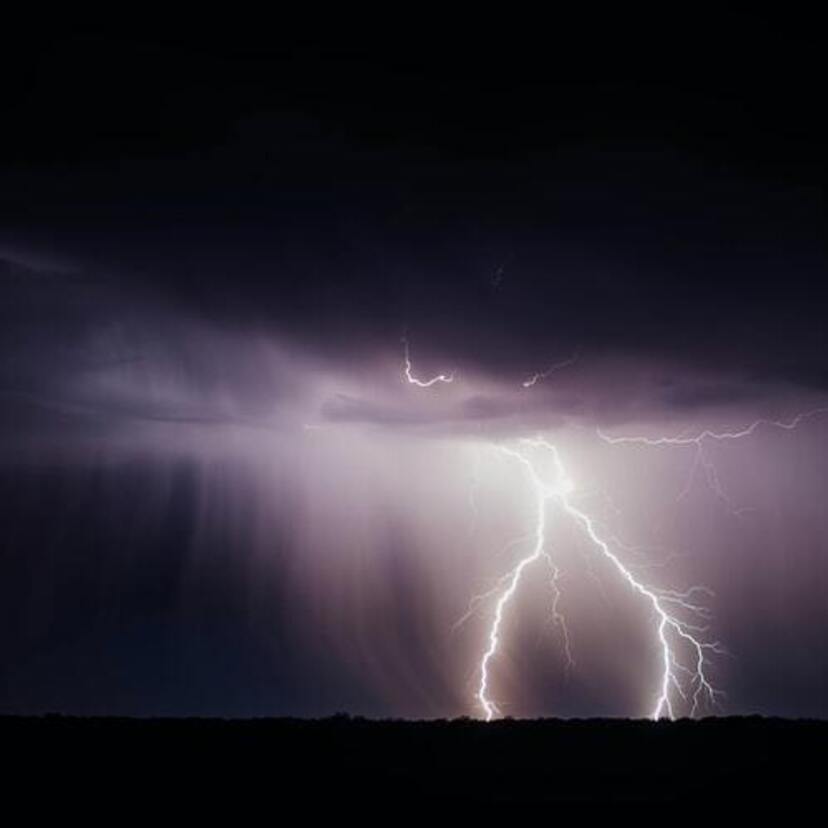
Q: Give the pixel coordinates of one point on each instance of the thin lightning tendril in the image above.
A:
(413, 380)
(701, 459)
(698, 439)
(542, 375)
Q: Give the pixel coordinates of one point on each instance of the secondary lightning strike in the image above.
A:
(409, 375)
(701, 460)
(698, 439)
(541, 375)
(690, 682)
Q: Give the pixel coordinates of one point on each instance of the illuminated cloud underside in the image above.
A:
(686, 678)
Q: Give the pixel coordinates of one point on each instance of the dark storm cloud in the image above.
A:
(691, 396)
(94, 355)
(504, 411)
(345, 409)
(343, 199)
(83, 354)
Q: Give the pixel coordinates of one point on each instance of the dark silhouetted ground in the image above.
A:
(346, 761)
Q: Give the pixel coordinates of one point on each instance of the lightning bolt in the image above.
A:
(541, 375)
(413, 380)
(679, 618)
(684, 651)
(699, 443)
(512, 580)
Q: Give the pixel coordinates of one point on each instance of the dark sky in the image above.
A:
(560, 184)
(201, 226)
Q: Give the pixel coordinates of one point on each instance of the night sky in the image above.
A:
(221, 495)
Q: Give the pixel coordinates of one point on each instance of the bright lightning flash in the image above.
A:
(413, 380)
(684, 651)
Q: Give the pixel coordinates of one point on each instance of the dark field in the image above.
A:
(341, 760)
